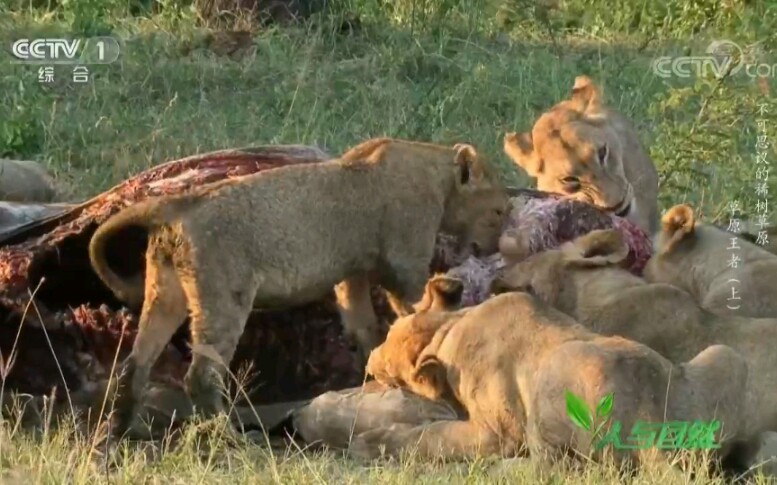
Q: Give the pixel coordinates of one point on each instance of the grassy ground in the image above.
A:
(61, 456)
(444, 72)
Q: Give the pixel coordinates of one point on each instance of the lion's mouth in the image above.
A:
(622, 208)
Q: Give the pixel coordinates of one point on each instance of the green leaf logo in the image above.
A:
(578, 411)
(604, 408)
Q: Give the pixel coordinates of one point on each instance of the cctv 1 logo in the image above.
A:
(92, 50)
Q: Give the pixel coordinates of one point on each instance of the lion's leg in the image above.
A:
(447, 439)
(406, 290)
(164, 310)
(722, 301)
(218, 317)
(400, 307)
(407, 270)
(764, 458)
(357, 314)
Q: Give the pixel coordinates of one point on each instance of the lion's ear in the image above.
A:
(376, 364)
(677, 224)
(520, 149)
(445, 292)
(587, 97)
(442, 293)
(429, 377)
(597, 248)
(468, 161)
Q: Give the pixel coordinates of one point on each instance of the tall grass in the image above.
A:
(438, 70)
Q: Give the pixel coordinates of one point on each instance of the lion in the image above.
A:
(698, 258)
(509, 362)
(767, 234)
(583, 149)
(25, 181)
(287, 236)
(583, 278)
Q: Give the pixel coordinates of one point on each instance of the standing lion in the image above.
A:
(286, 237)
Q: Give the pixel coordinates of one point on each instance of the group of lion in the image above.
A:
(569, 319)
(669, 346)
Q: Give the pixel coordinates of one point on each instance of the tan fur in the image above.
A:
(25, 181)
(286, 237)
(335, 417)
(393, 362)
(750, 233)
(597, 148)
(765, 456)
(583, 279)
(696, 257)
(508, 362)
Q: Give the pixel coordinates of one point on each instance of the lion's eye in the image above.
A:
(602, 154)
(571, 184)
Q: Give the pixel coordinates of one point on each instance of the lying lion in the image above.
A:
(584, 149)
(285, 237)
(698, 258)
(583, 279)
(509, 362)
(754, 231)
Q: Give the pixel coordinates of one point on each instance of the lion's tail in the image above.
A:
(149, 215)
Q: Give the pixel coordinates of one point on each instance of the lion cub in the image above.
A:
(590, 152)
(697, 258)
(287, 236)
(584, 279)
(509, 362)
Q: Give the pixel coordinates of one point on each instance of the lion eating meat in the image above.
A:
(697, 258)
(588, 151)
(585, 280)
(509, 362)
(287, 236)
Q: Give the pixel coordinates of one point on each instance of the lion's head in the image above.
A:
(400, 360)
(548, 275)
(574, 150)
(478, 208)
(476, 201)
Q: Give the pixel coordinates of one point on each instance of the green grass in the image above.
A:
(310, 84)
(442, 71)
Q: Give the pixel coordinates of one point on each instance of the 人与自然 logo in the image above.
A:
(669, 435)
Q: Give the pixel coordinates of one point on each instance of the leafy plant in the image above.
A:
(580, 414)
(578, 411)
